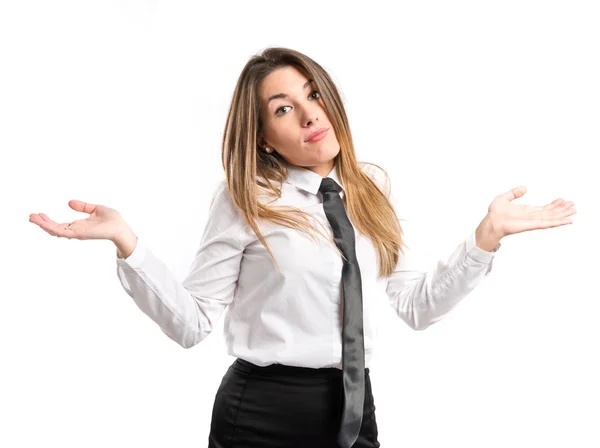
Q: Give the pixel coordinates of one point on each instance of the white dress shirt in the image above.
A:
(292, 316)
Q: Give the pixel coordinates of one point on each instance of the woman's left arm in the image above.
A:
(421, 298)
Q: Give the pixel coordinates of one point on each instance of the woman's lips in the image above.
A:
(319, 136)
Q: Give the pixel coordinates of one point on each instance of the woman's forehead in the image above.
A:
(283, 81)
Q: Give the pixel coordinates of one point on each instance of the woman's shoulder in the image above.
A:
(222, 200)
(378, 175)
(219, 191)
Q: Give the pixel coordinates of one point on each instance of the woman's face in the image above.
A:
(291, 110)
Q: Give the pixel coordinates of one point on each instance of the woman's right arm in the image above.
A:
(187, 311)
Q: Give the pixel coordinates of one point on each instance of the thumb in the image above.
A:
(514, 193)
(81, 206)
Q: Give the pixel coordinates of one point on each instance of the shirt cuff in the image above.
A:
(136, 258)
(477, 253)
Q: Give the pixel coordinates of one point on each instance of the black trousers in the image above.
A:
(280, 406)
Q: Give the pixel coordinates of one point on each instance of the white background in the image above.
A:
(123, 103)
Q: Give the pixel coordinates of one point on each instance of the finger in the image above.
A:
(567, 204)
(38, 219)
(48, 224)
(47, 220)
(45, 217)
(514, 193)
(553, 204)
(559, 217)
(548, 223)
(45, 229)
(560, 213)
(567, 212)
(81, 206)
(60, 230)
(561, 222)
(48, 232)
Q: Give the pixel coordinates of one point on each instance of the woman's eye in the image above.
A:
(277, 112)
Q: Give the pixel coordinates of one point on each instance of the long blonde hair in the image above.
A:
(249, 170)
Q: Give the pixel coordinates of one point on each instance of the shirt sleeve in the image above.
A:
(422, 296)
(188, 311)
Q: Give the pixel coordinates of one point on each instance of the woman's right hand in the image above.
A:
(104, 223)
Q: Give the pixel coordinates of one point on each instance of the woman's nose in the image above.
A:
(310, 118)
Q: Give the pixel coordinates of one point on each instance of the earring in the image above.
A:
(269, 150)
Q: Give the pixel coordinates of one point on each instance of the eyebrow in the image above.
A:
(283, 95)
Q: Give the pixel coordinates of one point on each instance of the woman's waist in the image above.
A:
(278, 369)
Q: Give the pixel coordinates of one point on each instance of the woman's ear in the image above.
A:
(263, 144)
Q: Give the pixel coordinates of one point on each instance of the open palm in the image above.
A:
(508, 218)
(103, 222)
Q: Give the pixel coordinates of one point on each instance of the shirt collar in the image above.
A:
(308, 180)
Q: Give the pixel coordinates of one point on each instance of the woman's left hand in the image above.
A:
(507, 218)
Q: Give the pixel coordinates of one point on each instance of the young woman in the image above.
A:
(301, 245)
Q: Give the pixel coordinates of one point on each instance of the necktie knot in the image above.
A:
(328, 185)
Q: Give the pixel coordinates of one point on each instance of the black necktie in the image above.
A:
(353, 352)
